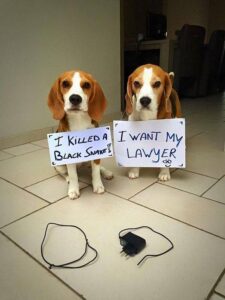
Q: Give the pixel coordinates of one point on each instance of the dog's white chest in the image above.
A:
(79, 121)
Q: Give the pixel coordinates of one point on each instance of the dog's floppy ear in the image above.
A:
(97, 102)
(168, 85)
(55, 101)
(128, 96)
(165, 106)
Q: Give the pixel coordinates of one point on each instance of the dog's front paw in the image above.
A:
(73, 193)
(133, 173)
(98, 188)
(164, 175)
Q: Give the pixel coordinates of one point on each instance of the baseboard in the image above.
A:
(26, 137)
(39, 134)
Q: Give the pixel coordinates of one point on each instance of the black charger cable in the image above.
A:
(133, 244)
(66, 265)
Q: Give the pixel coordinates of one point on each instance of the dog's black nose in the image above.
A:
(145, 101)
(75, 99)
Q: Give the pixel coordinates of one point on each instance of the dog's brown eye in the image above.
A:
(137, 84)
(66, 84)
(156, 84)
(86, 85)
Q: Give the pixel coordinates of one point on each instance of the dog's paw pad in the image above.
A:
(73, 194)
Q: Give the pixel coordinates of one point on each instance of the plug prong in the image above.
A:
(122, 253)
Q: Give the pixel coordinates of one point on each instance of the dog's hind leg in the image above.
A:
(107, 174)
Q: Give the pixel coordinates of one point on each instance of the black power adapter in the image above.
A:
(132, 243)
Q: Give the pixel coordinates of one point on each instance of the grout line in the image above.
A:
(219, 294)
(175, 219)
(186, 170)
(41, 265)
(24, 190)
(209, 188)
(43, 147)
(27, 143)
(168, 216)
(22, 154)
(42, 180)
(175, 188)
(3, 150)
(150, 185)
(187, 192)
(216, 201)
(213, 185)
(37, 210)
(190, 137)
(215, 285)
(23, 217)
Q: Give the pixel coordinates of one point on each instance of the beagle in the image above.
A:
(150, 96)
(78, 102)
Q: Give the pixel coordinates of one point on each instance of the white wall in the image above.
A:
(180, 12)
(39, 40)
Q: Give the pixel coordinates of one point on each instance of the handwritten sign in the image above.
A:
(80, 146)
(155, 143)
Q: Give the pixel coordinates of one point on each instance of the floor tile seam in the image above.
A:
(24, 190)
(42, 180)
(212, 200)
(211, 177)
(57, 174)
(23, 154)
(178, 220)
(26, 143)
(25, 216)
(142, 190)
(179, 189)
(3, 150)
(66, 196)
(168, 216)
(213, 289)
(212, 185)
(193, 194)
(28, 152)
(40, 264)
(190, 137)
(83, 181)
(219, 294)
(37, 210)
(189, 171)
(37, 196)
(33, 143)
(8, 158)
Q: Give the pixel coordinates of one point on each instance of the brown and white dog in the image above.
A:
(150, 96)
(78, 102)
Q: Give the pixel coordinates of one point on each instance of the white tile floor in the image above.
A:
(189, 209)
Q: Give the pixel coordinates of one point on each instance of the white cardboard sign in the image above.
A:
(80, 146)
(155, 143)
